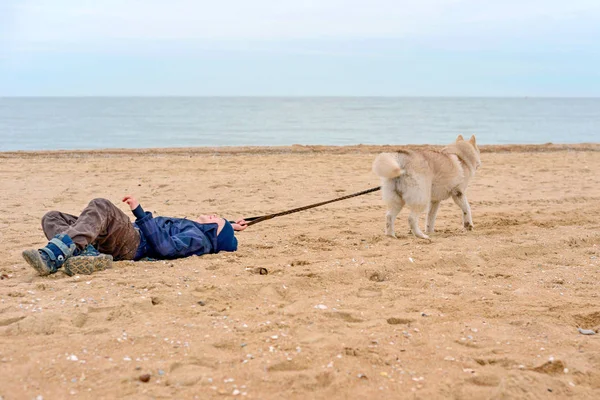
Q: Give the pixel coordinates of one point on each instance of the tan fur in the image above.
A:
(385, 165)
(422, 179)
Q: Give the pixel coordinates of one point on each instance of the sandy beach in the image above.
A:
(344, 312)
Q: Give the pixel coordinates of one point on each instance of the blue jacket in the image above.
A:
(168, 238)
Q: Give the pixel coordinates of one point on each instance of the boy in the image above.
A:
(76, 242)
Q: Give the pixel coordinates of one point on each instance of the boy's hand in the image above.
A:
(131, 201)
(239, 225)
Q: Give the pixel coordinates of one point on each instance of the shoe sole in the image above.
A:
(86, 265)
(34, 259)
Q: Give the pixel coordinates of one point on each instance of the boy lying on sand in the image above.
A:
(102, 232)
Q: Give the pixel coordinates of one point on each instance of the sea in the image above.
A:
(53, 123)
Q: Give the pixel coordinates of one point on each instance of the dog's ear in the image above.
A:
(472, 140)
(459, 138)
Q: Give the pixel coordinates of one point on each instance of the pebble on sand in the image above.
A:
(586, 331)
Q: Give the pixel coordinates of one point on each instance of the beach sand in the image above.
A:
(343, 312)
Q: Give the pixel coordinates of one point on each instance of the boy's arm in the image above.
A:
(162, 243)
(165, 245)
(239, 225)
(139, 212)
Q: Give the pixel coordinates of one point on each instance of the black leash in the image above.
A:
(256, 220)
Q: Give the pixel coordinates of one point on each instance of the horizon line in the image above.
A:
(303, 96)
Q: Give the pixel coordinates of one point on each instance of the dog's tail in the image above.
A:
(386, 166)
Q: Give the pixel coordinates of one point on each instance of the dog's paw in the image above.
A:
(392, 235)
(421, 235)
(469, 226)
(425, 239)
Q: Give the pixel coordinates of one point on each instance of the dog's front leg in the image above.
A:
(461, 200)
(433, 209)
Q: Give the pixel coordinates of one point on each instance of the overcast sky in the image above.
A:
(300, 48)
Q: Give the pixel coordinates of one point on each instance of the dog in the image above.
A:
(421, 179)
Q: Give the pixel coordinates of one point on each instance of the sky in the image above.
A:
(546, 48)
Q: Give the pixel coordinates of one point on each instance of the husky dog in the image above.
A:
(421, 179)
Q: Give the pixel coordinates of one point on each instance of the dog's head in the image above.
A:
(469, 150)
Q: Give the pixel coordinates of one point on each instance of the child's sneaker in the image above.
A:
(87, 261)
(50, 258)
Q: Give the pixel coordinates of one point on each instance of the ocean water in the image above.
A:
(138, 122)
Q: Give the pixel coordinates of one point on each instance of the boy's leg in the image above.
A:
(100, 223)
(107, 227)
(55, 222)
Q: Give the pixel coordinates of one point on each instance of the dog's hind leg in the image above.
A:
(413, 221)
(461, 200)
(390, 217)
(433, 209)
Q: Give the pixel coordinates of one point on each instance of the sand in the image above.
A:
(343, 312)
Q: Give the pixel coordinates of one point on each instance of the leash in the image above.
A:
(256, 220)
